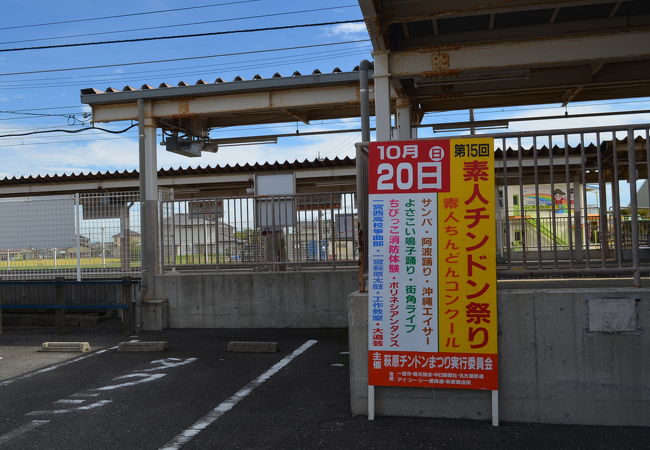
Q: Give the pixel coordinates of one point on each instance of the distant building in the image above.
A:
(134, 240)
(195, 234)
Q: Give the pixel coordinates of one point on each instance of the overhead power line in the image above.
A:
(204, 22)
(116, 16)
(75, 141)
(180, 36)
(69, 131)
(188, 58)
(46, 108)
(22, 113)
(117, 78)
(219, 68)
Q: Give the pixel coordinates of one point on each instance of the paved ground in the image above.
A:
(199, 396)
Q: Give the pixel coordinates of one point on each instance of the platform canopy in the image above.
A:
(203, 105)
(457, 54)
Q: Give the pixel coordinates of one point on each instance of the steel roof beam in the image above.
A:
(217, 103)
(604, 25)
(94, 97)
(597, 48)
(405, 11)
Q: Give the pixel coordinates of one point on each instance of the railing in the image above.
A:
(567, 202)
(76, 236)
(263, 232)
(571, 202)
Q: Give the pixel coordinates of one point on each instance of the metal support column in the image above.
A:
(148, 197)
(403, 114)
(362, 174)
(381, 79)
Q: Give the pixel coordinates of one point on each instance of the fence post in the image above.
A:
(78, 217)
(163, 246)
(60, 301)
(333, 228)
(127, 299)
(217, 250)
(634, 220)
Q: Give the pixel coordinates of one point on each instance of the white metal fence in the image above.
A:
(569, 202)
(73, 236)
(264, 232)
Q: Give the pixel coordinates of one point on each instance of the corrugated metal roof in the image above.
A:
(207, 170)
(542, 151)
(88, 95)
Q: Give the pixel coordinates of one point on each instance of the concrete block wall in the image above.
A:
(566, 356)
(306, 299)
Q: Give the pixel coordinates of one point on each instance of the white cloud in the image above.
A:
(348, 30)
(42, 157)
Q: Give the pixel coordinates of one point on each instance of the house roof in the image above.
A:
(132, 233)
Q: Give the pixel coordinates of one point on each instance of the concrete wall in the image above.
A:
(314, 299)
(566, 355)
(47, 292)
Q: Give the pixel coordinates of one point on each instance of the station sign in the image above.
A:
(432, 309)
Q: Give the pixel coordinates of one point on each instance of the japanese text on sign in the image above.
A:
(432, 281)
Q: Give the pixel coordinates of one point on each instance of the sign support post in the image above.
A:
(371, 402)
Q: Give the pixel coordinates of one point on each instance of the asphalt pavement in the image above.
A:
(197, 395)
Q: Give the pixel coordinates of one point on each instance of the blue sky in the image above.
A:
(57, 93)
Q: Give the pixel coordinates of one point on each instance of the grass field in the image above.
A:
(62, 263)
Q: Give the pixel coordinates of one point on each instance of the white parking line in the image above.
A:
(69, 401)
(48, 412)
(21, 430)
(55, 366)
(185, 436)
(143, 378)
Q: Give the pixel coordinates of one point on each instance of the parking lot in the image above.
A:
(198, 395)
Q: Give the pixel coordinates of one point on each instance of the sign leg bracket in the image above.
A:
(495, 408)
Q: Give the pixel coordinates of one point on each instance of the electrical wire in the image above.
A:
(187, 58)
(40, 143)
(255, 65)
(117, 16)
(69, 131)
(167, 71)
(179, 36)
(204, 22)
(235, 128)
(45, 108)
(37, 114)
(4, 119)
